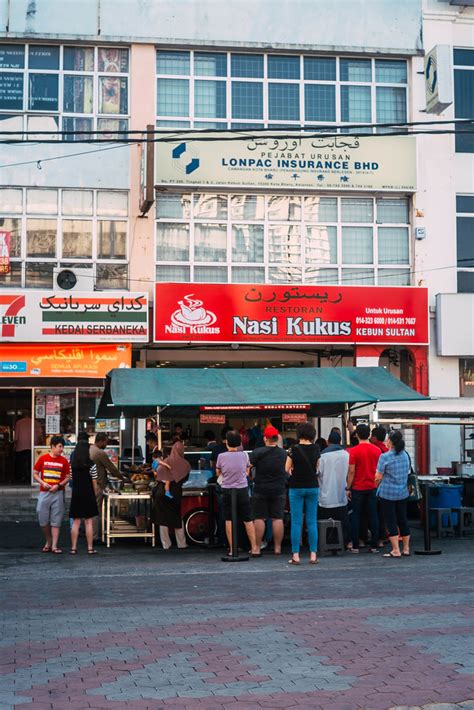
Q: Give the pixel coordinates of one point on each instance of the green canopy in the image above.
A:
(139, 392)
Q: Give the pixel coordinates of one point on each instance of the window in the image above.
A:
(465, 242)
(283, 102)
(464, 96)
(247, 99)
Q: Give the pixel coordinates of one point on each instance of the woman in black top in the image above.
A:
(83, 502)
(304, 491)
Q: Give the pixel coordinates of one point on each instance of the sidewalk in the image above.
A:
(140, 628)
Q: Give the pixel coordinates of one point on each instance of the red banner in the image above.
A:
(4, 252)
(264, 313)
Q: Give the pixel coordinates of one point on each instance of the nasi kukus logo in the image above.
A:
(192, 317)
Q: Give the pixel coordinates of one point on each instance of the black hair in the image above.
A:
(83, 436)
(101, 436)
(306, 431)
(233, 438)
(209, 435)
(322, 443)
(363, 431)
(337, 429)
(380, 433)
(81, 455)
(157, 454)
(397, 441)
(224, 431)
(55, 440)
(178, 424)
(334, 437)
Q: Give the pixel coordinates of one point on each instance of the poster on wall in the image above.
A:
(53, 404)
(40, 406)
(4, 252)
(53, 425)
(266, 313)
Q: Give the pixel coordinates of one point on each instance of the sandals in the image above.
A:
(390, 554)
(406, 554)
(92, 552)
(46, 548)
(56, 551)
(314, 562)
(294, 562)
(73, 552)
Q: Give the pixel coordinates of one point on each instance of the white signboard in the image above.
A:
(101, 316)
(289, 161)
(439, 79)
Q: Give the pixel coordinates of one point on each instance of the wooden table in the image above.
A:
(113, 526)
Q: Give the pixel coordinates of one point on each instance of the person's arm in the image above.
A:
(289, 465)
(65, 477)
(108, 465)
(37, 474)
(380, 469)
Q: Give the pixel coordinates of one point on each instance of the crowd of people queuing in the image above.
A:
(323, 480)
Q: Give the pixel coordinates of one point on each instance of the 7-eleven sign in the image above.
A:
(9, 317)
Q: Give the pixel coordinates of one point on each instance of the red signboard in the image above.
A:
(4, 252)
(212, 418)
(264, 313)
(294, 418)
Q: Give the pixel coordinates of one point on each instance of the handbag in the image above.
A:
(413, 485)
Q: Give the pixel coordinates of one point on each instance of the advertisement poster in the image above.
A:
(73, 318)
(53, 425)
(62, 361)
(4, 252)
(266, 313)
(53, 404)
(291, 161)
(40, 406)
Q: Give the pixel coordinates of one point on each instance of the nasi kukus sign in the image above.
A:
(73, 317)
(241, 313)
(289, 161)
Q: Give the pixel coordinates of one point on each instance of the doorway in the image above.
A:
(15, 415)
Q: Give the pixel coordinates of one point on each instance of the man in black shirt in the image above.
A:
(269, 493)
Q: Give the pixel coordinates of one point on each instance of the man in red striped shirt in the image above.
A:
(51, 471)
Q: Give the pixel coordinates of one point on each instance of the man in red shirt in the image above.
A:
(51, 471)
(361, 487)
(377, 438)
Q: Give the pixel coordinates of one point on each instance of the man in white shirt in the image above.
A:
(333, 469)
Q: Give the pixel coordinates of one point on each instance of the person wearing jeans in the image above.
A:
(361, 486)
(301, 464)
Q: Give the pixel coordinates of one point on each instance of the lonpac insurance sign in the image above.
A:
(246, 313)
(289, 161)
(34, 316)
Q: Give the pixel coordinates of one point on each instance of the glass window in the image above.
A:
(42, 201)
(247, 99)
(41, 123)
(320, 209)
(393, 277)
(464, 107)
(172, 273)
(208, 206)
(11, 200)
(12, 225)
(111, 240)
(77, 202)
(284, 243)
(355, 209)
(12, 56)
(391, 104)
(41, 237)
(13, 279)
(39, 275)
(280, 67)
(172, 62)
(112, 60)
(283, 102)
(465, 281)
(320, 102)
(113, 276)
(11, 91)
(247, 65)
(356, 69)
(210, 242)
(210, 274)
(247, 242)
(77, 124)
(464, 57)
(210, 99)
(390, 71)
(210, 64)
(247, 207)
(248, 275)
(177, 206)
(465, 241)
(464, 203)
(43, 92)
(173, 124)
(321, 244)
(9, 122)
(320, 68)
(355, 104)
(321, 276)
(78, 59)
(113, 95)
(78, 94)
(112, 127)
(77, 239)
(211, 124)
(173, 97)
(172, 241)
(112, 204)
(392, 210)
(43, 57)
(357, 247)
(284, 207)
(285, 275)
(393, 245)
(245, 126)
(359, 277)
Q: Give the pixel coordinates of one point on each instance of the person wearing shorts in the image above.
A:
(269, 493)
(232, 468)
(52, 472)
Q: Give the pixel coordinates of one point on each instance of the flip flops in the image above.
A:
(46, 548)
(56, 551)
(314, 562)
(294, 562)
(73, 552)
(390, 554)
(92, 552)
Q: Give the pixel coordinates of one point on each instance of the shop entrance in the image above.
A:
(15, 423)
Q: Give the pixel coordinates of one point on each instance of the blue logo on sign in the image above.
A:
(179, 151)
(12, 366)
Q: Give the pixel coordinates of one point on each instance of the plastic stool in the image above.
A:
(334, 529)
(465, 524)
(444, 521)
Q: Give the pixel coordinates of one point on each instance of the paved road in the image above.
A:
(140, 628)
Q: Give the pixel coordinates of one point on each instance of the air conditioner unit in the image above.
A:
(72, 279)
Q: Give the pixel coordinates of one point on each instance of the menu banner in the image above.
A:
(265, 313)
(32, 316)
(61, 361)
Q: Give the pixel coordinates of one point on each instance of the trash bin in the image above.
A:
(444, 495)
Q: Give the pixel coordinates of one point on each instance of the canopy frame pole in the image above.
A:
(347, 437)
(158, 428)
(133, 441)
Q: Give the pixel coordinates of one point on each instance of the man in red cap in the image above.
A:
(269, 493)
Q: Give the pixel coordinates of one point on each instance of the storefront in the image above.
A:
(56, 350)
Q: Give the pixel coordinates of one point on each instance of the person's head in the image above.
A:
(306, 431)
(209, 435)
(157, 454)
(362, 432)
(322, 443)
(233, 439)
(225, 430)
(25, 414)
(335, 437)
(270, 434)
(101, 440)
(178, 428)
(57, 445)
(379, 433)
(83, 436)
(396, 441)
(337, 430)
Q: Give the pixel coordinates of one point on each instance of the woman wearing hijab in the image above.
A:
(83, 502)
(167, 507)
